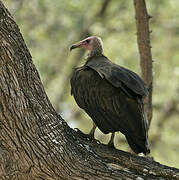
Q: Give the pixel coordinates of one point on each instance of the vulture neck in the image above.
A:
(94, 53)
(97, 51)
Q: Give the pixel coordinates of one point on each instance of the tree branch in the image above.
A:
(143, 39)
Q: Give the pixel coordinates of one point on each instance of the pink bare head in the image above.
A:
(93, 43)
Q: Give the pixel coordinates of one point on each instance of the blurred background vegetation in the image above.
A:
(49, 27)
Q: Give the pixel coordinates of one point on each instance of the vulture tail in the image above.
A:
(138, 145)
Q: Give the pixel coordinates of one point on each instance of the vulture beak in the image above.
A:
(77, 45)
(73, 47)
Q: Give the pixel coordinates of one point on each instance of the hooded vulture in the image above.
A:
(111, 95)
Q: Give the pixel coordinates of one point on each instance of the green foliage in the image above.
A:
(50, 27)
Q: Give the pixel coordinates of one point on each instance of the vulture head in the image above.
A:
(93, 44)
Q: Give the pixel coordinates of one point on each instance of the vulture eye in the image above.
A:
(87, 40)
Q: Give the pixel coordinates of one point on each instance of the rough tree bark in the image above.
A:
(143, 39)
(36, 143)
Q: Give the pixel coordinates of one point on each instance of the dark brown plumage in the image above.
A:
(113, 97)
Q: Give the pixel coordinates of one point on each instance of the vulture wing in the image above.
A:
(111, 107)
(118, 76)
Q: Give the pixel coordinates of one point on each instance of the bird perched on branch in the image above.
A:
(111, 95)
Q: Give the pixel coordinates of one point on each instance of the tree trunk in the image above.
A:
(36, 143)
